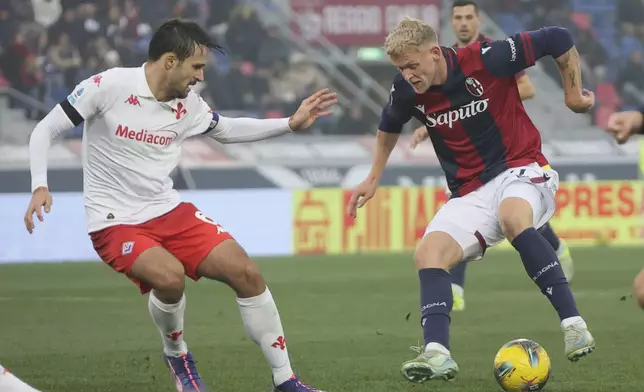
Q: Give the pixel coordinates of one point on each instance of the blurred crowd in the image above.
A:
(47, 46)
(609, 36)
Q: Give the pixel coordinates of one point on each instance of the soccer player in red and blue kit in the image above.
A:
(466, 25)
(501, 184)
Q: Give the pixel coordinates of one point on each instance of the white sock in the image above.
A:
(263, 325)
(11, 383)
(573, 320)
(437, 347)
(169, 320)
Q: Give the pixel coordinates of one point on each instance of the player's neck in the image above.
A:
(154, 78)
(474, 38)
(441, 74)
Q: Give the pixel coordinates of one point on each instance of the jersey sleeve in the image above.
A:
(511, 56)
(399, 110)
(204, 120)
(88, 98)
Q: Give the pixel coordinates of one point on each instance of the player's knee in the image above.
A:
(438, 250)
(247, 281)
(515, 216)
(638, 289)
(169, 284)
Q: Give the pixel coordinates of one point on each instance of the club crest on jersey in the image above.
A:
(474, 87)
(127, 248)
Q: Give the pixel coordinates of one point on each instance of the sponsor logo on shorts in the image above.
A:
(127, 248)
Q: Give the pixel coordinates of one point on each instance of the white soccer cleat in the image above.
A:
(579, 342)
(430, 365)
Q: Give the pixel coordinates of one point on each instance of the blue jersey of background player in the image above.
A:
(491, 155)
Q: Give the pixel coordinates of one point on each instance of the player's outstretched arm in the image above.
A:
(395, 115)
(48, 129)
(385, 143)
(227, 130)
(622, 125)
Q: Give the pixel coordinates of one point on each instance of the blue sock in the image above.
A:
(458, 273)
(435, 304)
(542, 265)
(550, 236)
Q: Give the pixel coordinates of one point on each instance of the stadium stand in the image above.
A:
(47, 46)
(609, 35)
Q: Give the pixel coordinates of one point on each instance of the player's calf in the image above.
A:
(230, 264)
(638, 288)
(517, 216)
(437, 253)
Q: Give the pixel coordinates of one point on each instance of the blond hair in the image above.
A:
(409, 34)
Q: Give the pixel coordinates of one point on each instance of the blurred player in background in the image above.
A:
(623, 125)
(466, 23)
(11, 383)
(501, 184)
(136, 120)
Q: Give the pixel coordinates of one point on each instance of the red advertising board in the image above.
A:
(357, 22)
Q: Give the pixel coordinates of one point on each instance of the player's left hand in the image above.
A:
(583, 103)
(313, 107)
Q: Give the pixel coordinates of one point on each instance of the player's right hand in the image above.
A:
(621, 125)
(361, 195)
(420, 134)
(39, 199)
(583, 103)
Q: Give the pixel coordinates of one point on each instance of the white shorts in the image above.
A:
(473, 220)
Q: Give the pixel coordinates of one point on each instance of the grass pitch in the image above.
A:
(81, 327)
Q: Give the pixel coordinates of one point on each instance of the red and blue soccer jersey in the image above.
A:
(485, 39)
(476, 121)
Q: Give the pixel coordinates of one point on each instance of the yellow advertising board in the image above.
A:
(396, 218)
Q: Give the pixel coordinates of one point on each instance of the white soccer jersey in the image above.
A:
(131, 144)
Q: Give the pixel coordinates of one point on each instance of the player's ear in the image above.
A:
(170, 60)
(436, 52)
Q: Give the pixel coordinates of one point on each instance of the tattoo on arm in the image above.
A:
(569, 63)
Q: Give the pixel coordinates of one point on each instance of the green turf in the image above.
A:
(81, 327)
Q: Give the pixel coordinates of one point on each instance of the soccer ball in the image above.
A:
(521, 366)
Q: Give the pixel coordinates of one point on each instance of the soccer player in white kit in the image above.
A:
(11, 383)
(135, 122)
